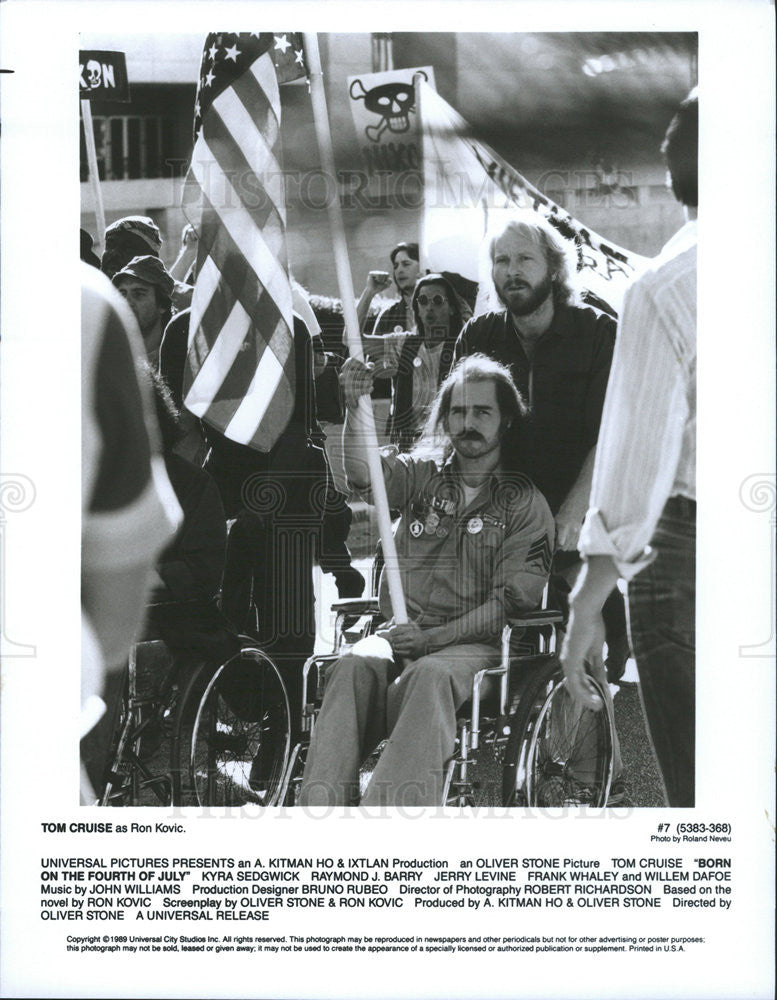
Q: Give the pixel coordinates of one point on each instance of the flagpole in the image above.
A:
(345, 283)
(94, 176)
(423, 261)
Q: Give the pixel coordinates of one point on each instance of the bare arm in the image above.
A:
(356, 380)
(187, 255)
(570, 516)
(376, 282)
(583, 641)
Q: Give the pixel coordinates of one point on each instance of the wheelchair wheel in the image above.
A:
(558, 754)
(237, 747)
(119, 786)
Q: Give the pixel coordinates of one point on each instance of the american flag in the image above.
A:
(239, 375)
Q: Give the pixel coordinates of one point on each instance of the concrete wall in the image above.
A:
(641, 224)
(555, 151)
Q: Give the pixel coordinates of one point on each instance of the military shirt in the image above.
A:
(454, 555)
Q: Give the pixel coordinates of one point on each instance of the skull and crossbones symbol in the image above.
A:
(93, 74)
(393, 102)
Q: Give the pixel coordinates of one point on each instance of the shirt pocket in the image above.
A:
(480, 554)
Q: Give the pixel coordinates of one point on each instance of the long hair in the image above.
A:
(167, 414)
(435, 442)
(560, 254)
(456, 321)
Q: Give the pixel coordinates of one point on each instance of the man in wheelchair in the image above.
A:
(474, 547)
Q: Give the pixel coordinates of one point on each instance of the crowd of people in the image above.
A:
(510, 434)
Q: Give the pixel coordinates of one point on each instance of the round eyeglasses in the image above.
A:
(435, 300)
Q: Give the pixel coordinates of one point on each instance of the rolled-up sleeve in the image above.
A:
(644, 422)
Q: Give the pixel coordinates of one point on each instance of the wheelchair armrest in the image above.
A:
(536, 618)
(357, 606)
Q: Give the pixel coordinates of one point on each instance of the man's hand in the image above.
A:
(356, 380)
(407, 641)
(568, 524)
(571, 514)
(188, 237)
(583, 644)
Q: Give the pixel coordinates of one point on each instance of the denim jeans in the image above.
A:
(662, 617)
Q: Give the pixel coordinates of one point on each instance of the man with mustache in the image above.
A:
(474, 546)
(559, 353)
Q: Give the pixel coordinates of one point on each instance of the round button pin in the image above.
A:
(474, 525)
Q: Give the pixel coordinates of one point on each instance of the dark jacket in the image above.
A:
(564, 386)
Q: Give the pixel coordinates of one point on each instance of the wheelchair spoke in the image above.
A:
(559, 754)
(240, 739)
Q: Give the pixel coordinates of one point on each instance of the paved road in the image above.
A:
(640, 770)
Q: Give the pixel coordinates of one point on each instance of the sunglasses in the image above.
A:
(436, 300)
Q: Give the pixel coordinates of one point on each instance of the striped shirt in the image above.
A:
(647, 440)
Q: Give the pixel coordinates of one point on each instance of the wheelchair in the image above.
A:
(520, 723)
(230, 732)
(223, 714)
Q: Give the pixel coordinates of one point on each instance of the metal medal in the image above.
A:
(432, 522)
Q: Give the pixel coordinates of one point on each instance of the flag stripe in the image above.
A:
(262, 312)
(220, 357)
(250, 244)
(240, 282)
(240, 365)
(237, 281)
(204, 290)
(237, 379)
(261, 74)
(255, 402)
(258, 88)
(218, 140)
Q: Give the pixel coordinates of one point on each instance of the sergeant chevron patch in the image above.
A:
(540, 554)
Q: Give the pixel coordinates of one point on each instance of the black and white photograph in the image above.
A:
(260, 232)
(385, 411)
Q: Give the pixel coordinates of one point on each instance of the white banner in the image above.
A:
(383, 106)
(467, 186)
